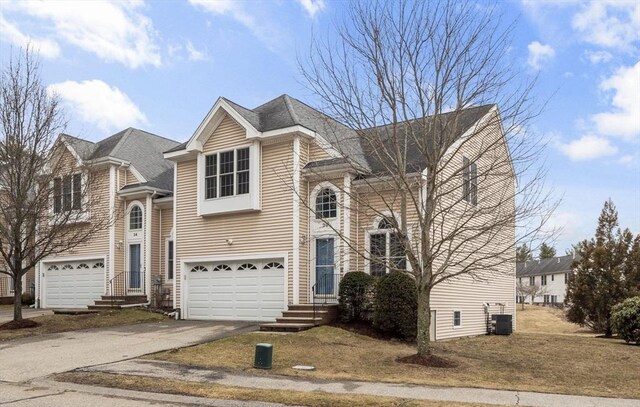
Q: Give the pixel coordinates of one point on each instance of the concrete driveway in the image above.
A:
(6, 313)
(30, 358)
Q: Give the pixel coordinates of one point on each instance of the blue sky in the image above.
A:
(160, 65)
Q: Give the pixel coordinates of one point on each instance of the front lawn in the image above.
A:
(524, 361)
(63, 323)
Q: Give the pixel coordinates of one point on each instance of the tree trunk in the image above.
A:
(17, 299)
(424, 322)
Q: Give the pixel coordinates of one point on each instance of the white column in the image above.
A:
(147, 246)
(296, 220)
(346, 223)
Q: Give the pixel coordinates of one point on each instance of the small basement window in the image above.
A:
(457, 319)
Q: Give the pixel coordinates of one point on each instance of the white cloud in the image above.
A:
(597, 57)
(630, 160)
(609, 23)
(265, 31)
(95, 102)
(12, 34)
(312, 6)
(539, 54)
(114, 31)
(624, 119)
(587, 147)
(194, 54)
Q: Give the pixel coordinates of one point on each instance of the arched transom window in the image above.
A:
(135, 218)
(385, 246)
(326, 204)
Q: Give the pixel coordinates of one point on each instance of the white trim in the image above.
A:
(137, 239)
(296, 220)
(137, 174)
(212, 120)
(373, 229)
(184, 314)
(147, 248)
(297, 129)
(166, 259)
(312, 257)
(112, 227)
(174, 233)
(235, 202)
(48, 260)
(346, 224)
(453, 323)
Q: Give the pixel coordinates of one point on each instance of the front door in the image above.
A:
(134, 266)
(325, 264)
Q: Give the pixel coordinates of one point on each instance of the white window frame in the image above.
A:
(374, 230)
(166, 258)
(459, 319)
(77, 215)
(232, 203)
(139, 206)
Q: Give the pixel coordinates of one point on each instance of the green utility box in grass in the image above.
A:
(264, 355)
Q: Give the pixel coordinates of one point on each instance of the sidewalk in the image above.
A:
(173, 371)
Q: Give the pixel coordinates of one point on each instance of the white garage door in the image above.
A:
(73, 284)
(246, 290)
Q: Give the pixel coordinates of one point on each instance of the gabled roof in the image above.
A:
(142, 149)
(554, 265)
(286, 112)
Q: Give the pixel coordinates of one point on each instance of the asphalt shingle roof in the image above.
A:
(554, 265)
(286, 111)
(142, 149)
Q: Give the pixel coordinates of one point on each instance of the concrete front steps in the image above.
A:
(119, 301)
(301, 317)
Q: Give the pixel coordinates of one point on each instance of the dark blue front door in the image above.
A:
(134, 266)
(324, 266)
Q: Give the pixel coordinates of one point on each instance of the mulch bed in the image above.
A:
(429, 361)
(22, 324)
(365, 329)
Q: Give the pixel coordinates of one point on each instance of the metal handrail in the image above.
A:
(120, 285)
(324, 283)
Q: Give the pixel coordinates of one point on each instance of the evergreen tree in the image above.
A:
(523, 253)
(603, 274)
(546, 251)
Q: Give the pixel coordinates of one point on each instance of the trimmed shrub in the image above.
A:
(356, 296)
(396, 305)
(625, 318)
(27, 299)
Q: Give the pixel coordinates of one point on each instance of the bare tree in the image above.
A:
(406, 77)
(46, 203)
(533, 291)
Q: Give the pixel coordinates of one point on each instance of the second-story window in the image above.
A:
(469, 181)
(387, 252)
(543, 280)
(135, 218)
(227, 173)
(67, 193)
(532, 280)
(326, 204)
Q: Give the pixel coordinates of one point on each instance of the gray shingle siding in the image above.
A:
(555, 265)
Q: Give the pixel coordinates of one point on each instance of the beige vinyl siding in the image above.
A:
(268, 230)
(317, 153)
(464, 293)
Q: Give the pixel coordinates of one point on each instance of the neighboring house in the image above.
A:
(247, 247)
(128, 178)
(550, 274)
(222, 221)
